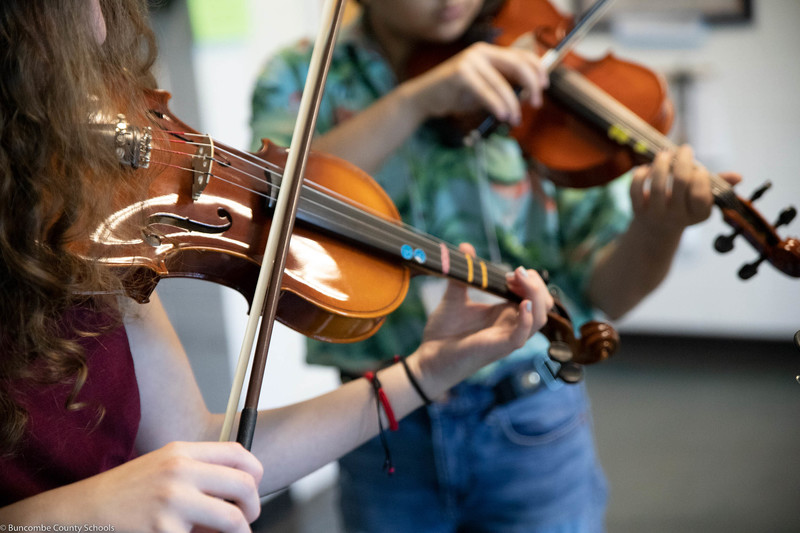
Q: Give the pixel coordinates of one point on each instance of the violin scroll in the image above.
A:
(746, 221)
(597, 342)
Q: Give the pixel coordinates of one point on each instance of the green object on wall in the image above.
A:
(218, 21)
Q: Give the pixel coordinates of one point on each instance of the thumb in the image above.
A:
(467, 249)
(731, 177)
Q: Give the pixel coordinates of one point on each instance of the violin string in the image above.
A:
(613, 112)
(606, 107)
(369, 221)
(191, 170)
(598, 102)
(222, 163)
(277, 172)
(618, 113)
(632, 121)
(258, 179)
(372, 223)
(218, 147)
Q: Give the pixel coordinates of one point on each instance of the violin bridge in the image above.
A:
(202, 161)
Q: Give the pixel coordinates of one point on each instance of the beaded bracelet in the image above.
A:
(413, 380)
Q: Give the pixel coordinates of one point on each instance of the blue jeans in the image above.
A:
(465, 465)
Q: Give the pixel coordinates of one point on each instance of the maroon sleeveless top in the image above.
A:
(62, 446)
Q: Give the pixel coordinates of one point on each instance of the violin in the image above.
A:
(600, 118)
(207, 213)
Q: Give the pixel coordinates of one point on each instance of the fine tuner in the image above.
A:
(132, 144)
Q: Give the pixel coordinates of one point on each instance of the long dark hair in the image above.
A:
(54, 176)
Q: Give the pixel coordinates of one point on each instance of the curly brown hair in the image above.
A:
(54, 75)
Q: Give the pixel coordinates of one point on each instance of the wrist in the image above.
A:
(414, 100)
(412, 379)
(430, 375)
(656, 234)
(435, 372)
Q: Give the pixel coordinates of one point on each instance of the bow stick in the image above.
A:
(550, 59)
(265, 299)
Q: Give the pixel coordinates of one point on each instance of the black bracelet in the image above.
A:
(413, 380)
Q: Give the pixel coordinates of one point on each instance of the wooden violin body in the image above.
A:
(219, 234)
(206, 215)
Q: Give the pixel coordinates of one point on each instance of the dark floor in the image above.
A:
(696, 436)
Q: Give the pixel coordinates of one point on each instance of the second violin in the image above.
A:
(602, 117)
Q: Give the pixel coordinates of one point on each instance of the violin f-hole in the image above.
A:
(185, 223)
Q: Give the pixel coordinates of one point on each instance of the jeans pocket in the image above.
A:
(531, 427)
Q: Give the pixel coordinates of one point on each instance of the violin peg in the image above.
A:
(560, 351)
(570, 372)
(760, 191)
(724, 243)
(786, 216)
(749, 270)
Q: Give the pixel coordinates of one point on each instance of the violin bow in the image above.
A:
(553, 56)
(267, 292)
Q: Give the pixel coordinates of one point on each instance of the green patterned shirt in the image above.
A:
(482, 195)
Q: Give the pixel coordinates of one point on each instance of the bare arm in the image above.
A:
(295, 440)
(174, 485)
(477, 78)
(631, 267)
(287, 439)
(667, 197)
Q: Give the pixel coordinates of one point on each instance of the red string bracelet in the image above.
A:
(382, 400)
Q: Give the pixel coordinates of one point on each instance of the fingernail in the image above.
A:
(523, 272)
(529, 306)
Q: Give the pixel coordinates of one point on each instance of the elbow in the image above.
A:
(615, 314)
(613, 306)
